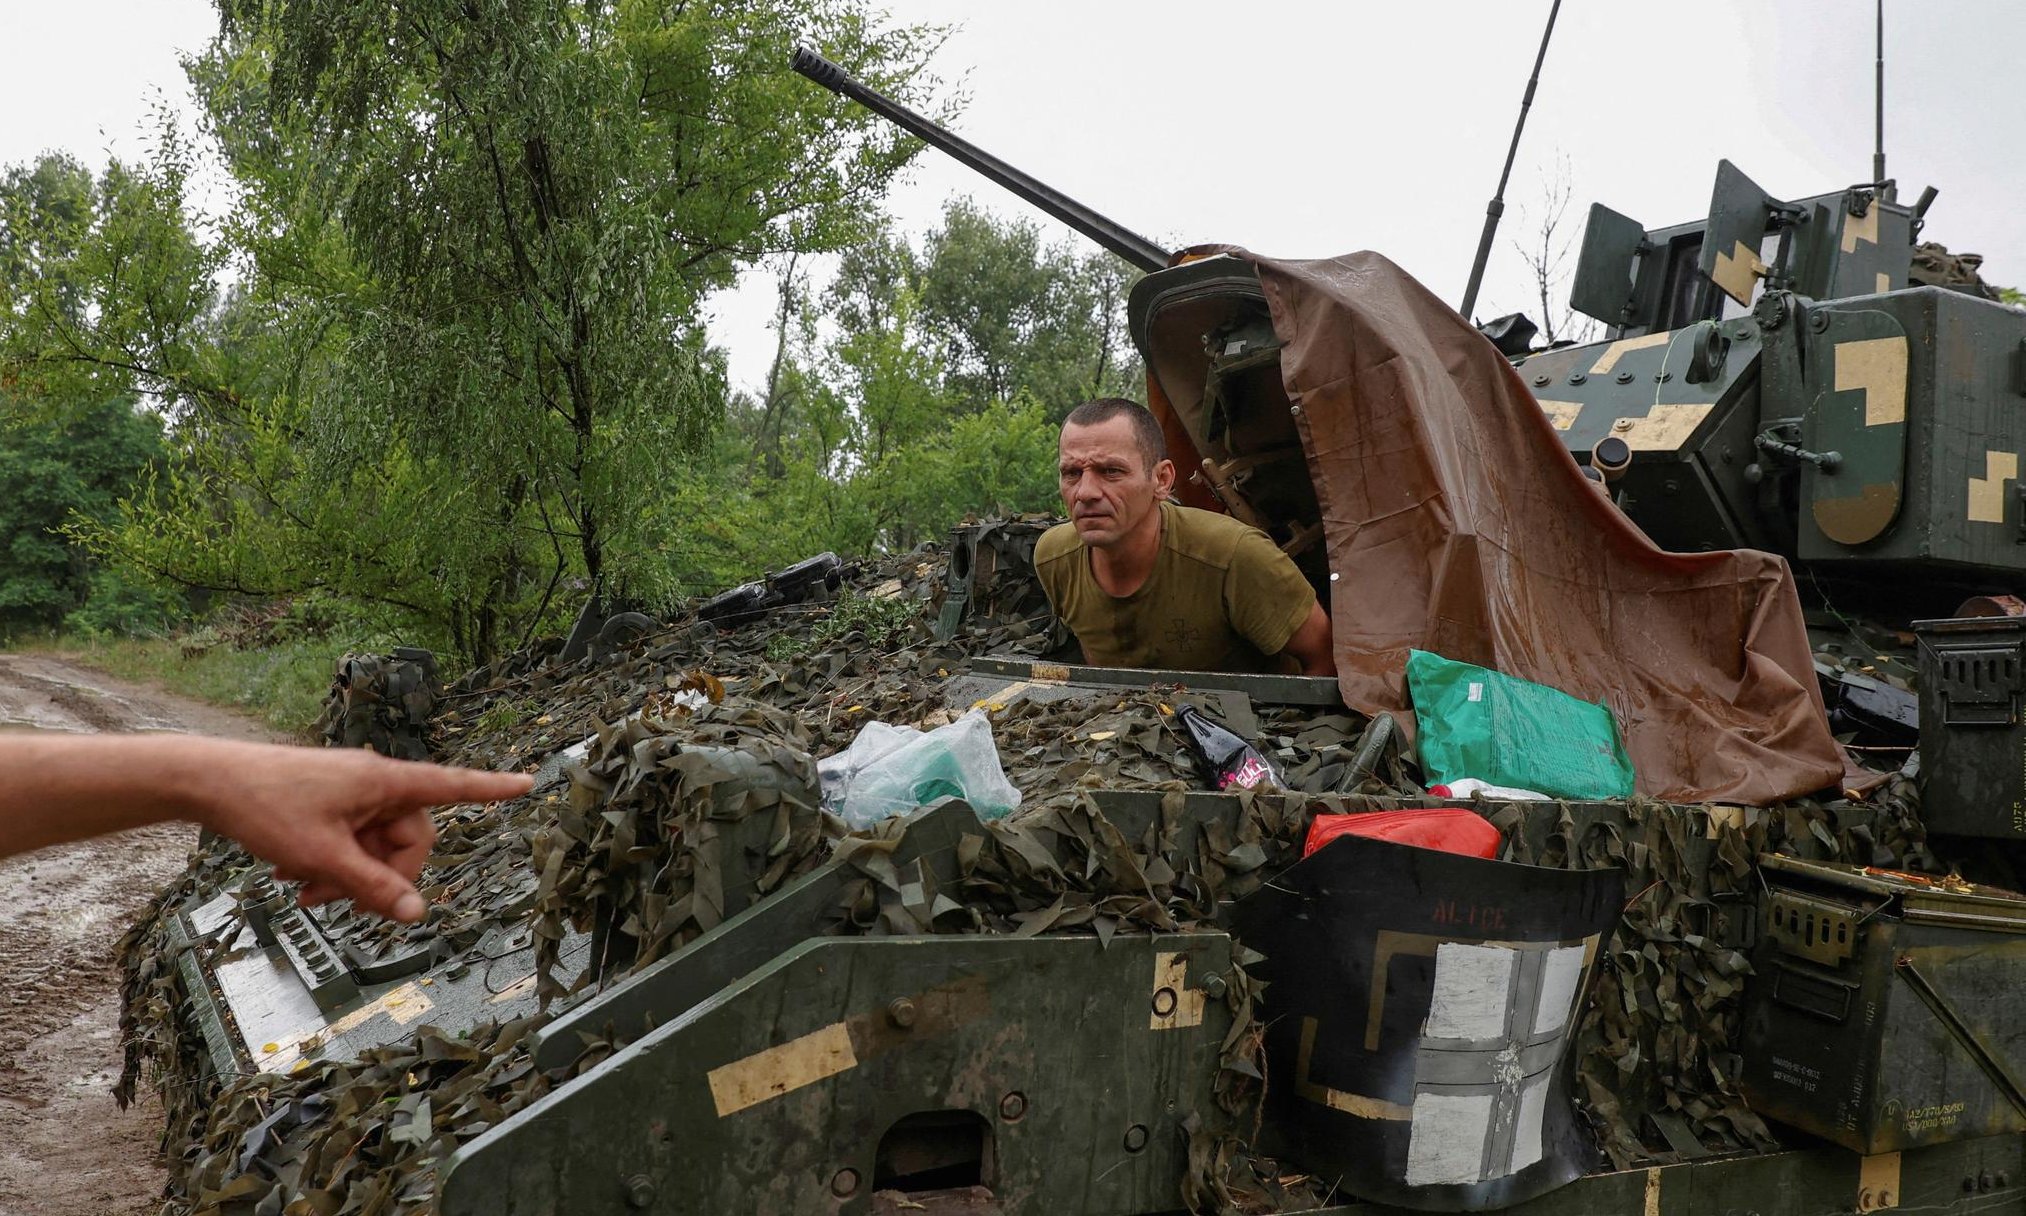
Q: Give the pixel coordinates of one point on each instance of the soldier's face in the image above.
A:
(1109, 491)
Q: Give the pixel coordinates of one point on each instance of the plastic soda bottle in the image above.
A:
(1227, 759)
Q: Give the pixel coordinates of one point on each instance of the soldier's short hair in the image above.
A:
(1146, 431)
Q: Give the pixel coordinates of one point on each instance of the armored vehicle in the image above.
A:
(666, 983)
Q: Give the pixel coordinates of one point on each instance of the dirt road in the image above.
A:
(65, 1148)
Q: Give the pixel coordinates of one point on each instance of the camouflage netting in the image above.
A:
(1657, 1064)
(693, 795)
(361, 1135)
(1934, 266)
(642, 841)
(382, 702)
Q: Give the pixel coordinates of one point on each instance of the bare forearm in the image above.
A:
(68, 787)
(1313, 646)
(343, 822)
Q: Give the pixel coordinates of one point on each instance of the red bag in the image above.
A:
(1450, 829)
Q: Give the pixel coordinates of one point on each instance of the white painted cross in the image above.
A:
(1496, 1024)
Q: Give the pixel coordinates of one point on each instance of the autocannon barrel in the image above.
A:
(1120, 240)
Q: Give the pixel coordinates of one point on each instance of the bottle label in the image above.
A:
(1249, 772)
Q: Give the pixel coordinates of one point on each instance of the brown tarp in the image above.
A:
(1458, 523)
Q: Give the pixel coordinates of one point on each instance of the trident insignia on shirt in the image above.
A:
(1183, 636)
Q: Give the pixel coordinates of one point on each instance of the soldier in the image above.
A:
(343, 821)
(1146, 582)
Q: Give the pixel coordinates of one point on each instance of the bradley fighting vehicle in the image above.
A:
(1801, 377)
(1776, 376)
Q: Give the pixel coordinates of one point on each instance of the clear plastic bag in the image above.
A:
(889, 770)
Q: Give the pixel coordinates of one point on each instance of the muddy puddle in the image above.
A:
(65, 1148)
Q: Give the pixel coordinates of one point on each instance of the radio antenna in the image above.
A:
(1496, 208)
(1878, 154)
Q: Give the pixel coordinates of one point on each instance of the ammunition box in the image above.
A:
(1973, 747)
(1884, 1013)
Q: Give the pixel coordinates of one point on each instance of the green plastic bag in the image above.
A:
(1475, 722)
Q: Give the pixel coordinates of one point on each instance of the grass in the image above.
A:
(283, 685)
(503, 714)
(883, 620)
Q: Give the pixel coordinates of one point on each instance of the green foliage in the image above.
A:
(881, 621)
(934, 393)
(722, 526)
(119, 604)
(997, 462)
(503, 714)
(989, 313)
(257, 513)
(110, 292)
(320, 615)
(531, 200)
(45, 209)
(272, 659)
(466, 357)
(461, 377)
(1011, 318)
(64, 471)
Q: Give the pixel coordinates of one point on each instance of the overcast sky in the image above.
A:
(1309, 129)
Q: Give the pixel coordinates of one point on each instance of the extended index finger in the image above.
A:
(422, 785)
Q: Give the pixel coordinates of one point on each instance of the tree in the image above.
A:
(930, 390)
(114, 294)
(63, 469)
(1007, 315)
(70, 447)
(785, 384)
(542, 192)
(1546, 247)
(476, 236)
(884, 418)
(110, 292)
(44, 210)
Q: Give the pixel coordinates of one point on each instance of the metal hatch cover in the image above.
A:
(1859, 412)
(1419, 1007)
(1739, 214)
(1605, 274)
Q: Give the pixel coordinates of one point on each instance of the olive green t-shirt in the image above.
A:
(1222, 597)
